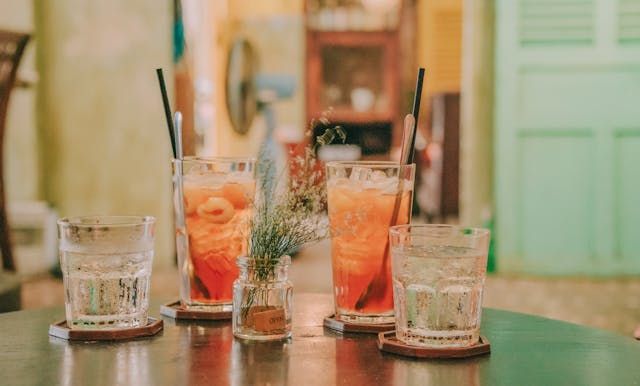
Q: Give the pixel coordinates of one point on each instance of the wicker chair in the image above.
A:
(12, 46)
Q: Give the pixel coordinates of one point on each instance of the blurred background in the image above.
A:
(529, 125)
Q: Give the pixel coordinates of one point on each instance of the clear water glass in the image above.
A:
(106, 268)
(438, 278)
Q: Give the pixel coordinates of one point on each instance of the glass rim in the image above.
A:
(214, 159)
(385, 164)
(474, 232)
(112, 221)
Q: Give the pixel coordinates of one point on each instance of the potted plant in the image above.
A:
(284, 219)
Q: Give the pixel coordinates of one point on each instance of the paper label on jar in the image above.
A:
(253, 310)
(269, 320)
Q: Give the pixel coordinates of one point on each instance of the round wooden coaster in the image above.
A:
(176, 311)
(343, 326)
(61, 330)
(387, 342)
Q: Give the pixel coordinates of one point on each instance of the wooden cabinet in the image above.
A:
(352, 76)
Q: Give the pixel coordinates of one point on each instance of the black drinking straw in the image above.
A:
(416, 111)
(375, 288)
(167, 110)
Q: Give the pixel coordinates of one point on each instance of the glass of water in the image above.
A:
(106, 267)
(438, 277)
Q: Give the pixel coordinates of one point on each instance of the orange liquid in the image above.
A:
(217, 222)
(360, 223)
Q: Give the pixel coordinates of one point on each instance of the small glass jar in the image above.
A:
(262, 299)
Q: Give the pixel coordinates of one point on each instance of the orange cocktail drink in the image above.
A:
(364, 200)
(214, 198)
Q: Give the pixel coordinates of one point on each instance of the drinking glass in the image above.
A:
(213, 207)
(364, 200)
(438, 278)
(106, 268)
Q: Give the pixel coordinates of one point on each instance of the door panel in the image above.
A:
(555, 210)
(567, 96)
(567, 136)
(627, 222)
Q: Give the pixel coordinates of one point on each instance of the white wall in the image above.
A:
(105, 142)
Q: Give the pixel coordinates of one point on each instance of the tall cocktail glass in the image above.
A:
(106, 268)
(438, 278)
(362, 198)
(213, 206)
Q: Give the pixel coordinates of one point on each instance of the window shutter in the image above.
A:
(558, 22)
(629, 21)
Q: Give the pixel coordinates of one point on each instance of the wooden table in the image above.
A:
(526, 350)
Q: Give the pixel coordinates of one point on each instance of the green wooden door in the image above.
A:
(567, 136)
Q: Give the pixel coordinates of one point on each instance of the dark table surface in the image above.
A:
(526, 350)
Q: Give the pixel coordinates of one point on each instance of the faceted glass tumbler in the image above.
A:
(106, 268)
(438, 280)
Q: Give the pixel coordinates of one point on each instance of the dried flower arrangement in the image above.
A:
(285, 218)
(285, 221)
